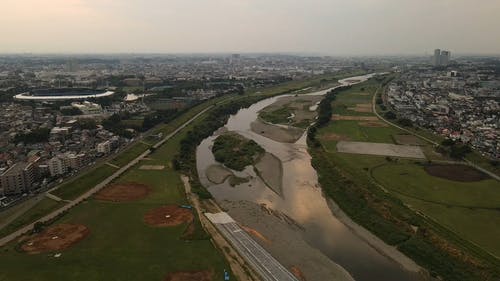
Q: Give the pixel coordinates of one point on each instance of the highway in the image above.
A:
(71, 204)
(261, 261)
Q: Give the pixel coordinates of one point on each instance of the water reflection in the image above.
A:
(302, 199)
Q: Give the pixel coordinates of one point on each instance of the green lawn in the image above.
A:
(129, 154)
(121, 246)
(72, 189)
(479, 226)
(412, 180)
(355, 132)
(41, 208)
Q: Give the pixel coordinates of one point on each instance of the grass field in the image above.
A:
(72, 189)
(121, 246)
(467, 209)
(41, 208)
(129, 154)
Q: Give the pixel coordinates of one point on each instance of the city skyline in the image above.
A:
(360, 27)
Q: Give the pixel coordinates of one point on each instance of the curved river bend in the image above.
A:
(302, 199)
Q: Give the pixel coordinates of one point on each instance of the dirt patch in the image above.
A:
(408, 140)
(255, 233)
(354, 118)
(55, 238)
(123, 192)
(277, 133)
(373, 124)
(362, 107)
(382, 149)
(171, 215)
(297, 273)
(152, 167)
(460, 173)
(217, 174)
(190, 276)
(334, 137)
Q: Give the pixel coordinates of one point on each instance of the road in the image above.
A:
(260, 260)
(241, 270)
(71, 204)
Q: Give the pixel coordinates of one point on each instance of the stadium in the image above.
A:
(55, 94)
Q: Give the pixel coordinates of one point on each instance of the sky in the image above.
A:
(329, 27)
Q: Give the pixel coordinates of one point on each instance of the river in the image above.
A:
(302, 199)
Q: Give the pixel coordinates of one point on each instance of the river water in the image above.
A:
(301, 199)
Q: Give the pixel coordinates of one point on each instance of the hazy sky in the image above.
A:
(336, 27)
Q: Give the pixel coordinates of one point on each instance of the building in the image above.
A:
(104, 147)
(62, 163)
(441, 58)
(57, 166)
(445, 58)
(87, 107)
(17, 179)
(436, 59)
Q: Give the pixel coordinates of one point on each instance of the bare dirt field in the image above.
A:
(55, 238)
(277, 133)
(205, 275)
(298, 273)
(460, 173)
(408, 140)
(217, 173)
(354, 118)
(383, 149)
(373, 124)
(171, 215)
(270, 170)
(152, 167)
(362, 107)
(255, 233)
(123, 192)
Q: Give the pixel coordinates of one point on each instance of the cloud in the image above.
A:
(327, 26)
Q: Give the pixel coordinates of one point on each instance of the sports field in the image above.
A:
(120, 244)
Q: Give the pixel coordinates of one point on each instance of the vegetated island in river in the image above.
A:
(236, 152)
(286, 119)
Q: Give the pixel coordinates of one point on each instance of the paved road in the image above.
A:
(96, 188)
(262, 262)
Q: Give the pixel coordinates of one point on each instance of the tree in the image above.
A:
(459, 151)
(35, 136)
(448, 142)
(405, 122)
(390, 115)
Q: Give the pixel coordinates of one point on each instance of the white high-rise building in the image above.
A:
(441, 58)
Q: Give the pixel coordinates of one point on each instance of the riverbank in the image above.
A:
(284, 240)
(390, 251)
(383, 193)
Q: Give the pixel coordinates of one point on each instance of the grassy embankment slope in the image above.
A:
(121, 246)
(456, 237)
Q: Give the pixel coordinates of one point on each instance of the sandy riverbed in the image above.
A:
(218, 173)
(270, 170)
(285, 241)
(277, 133)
